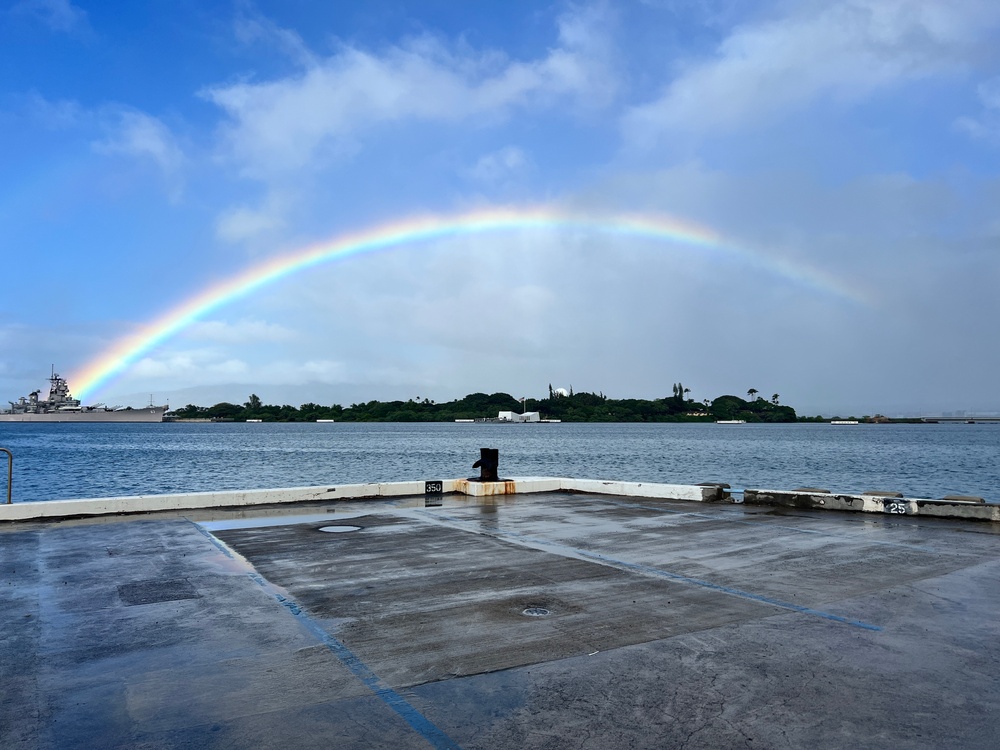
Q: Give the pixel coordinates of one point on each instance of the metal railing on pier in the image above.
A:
(10, 472)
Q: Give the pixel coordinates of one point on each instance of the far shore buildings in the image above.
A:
(513, 416)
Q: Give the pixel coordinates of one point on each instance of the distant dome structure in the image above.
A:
(561, 392)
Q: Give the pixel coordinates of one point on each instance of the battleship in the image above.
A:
(60, 406)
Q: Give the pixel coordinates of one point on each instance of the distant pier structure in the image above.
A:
(965, 419)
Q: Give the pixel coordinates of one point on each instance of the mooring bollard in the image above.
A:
(489, 460)
(10, 473)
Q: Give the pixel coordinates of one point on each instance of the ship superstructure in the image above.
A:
(60, 406)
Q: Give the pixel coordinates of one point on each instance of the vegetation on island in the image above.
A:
(563, 405)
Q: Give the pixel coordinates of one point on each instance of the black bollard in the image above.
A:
(489, 460)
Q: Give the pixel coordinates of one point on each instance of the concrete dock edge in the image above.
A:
(885, 503)
(804, 499)
(56, 509)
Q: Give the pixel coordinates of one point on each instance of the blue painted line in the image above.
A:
(417, 721)
(680, 578)
(219, 545)
(649, 570)
(420, 723)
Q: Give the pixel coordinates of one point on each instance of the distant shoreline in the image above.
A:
(561, 406)
(801, 420)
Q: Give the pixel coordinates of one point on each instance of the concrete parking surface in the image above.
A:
(525, 621)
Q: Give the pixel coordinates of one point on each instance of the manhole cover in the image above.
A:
(339, 529)
(535, 612)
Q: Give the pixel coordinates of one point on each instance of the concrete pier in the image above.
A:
(144, 504)
(604, 619)
(893, 503)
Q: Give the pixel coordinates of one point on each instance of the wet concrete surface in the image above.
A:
(670, 624)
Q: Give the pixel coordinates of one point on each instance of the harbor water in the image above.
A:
(62, 461)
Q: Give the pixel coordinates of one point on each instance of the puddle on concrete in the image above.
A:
(229, 565)
(339, 529)
(536, 612)
(252, 523)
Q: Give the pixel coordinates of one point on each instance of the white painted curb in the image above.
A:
(53, 509)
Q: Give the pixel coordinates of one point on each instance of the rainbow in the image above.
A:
(125, 352)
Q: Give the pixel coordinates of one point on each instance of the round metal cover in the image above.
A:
(535, 612)
(339, 529)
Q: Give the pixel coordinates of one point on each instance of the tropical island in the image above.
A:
(564, 405)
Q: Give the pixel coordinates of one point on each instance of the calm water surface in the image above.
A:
(102, 460)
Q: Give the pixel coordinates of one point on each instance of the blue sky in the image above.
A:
(152, 150)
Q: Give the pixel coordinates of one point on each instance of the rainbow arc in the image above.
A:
(117, 358)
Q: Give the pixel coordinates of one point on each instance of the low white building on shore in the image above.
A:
(513, 416)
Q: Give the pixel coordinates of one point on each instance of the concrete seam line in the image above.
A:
(733, 592)
(546, 545)
(434, 735)
(219, 545)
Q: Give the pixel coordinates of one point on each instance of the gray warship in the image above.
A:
(60, 406)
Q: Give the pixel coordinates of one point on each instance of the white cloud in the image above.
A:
(707, 12)
(844, 51)
(186, 365)
(518, 324)
(284, 125)
(499, 165)
(253, 28)
(137, 134)
(215, 367)
(245, 223)
(987, 125)
(302, 371)
(989, 94)
(54, 115)
(58, 15)
(240, 332)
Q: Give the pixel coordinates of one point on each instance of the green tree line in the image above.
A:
(574, 407)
